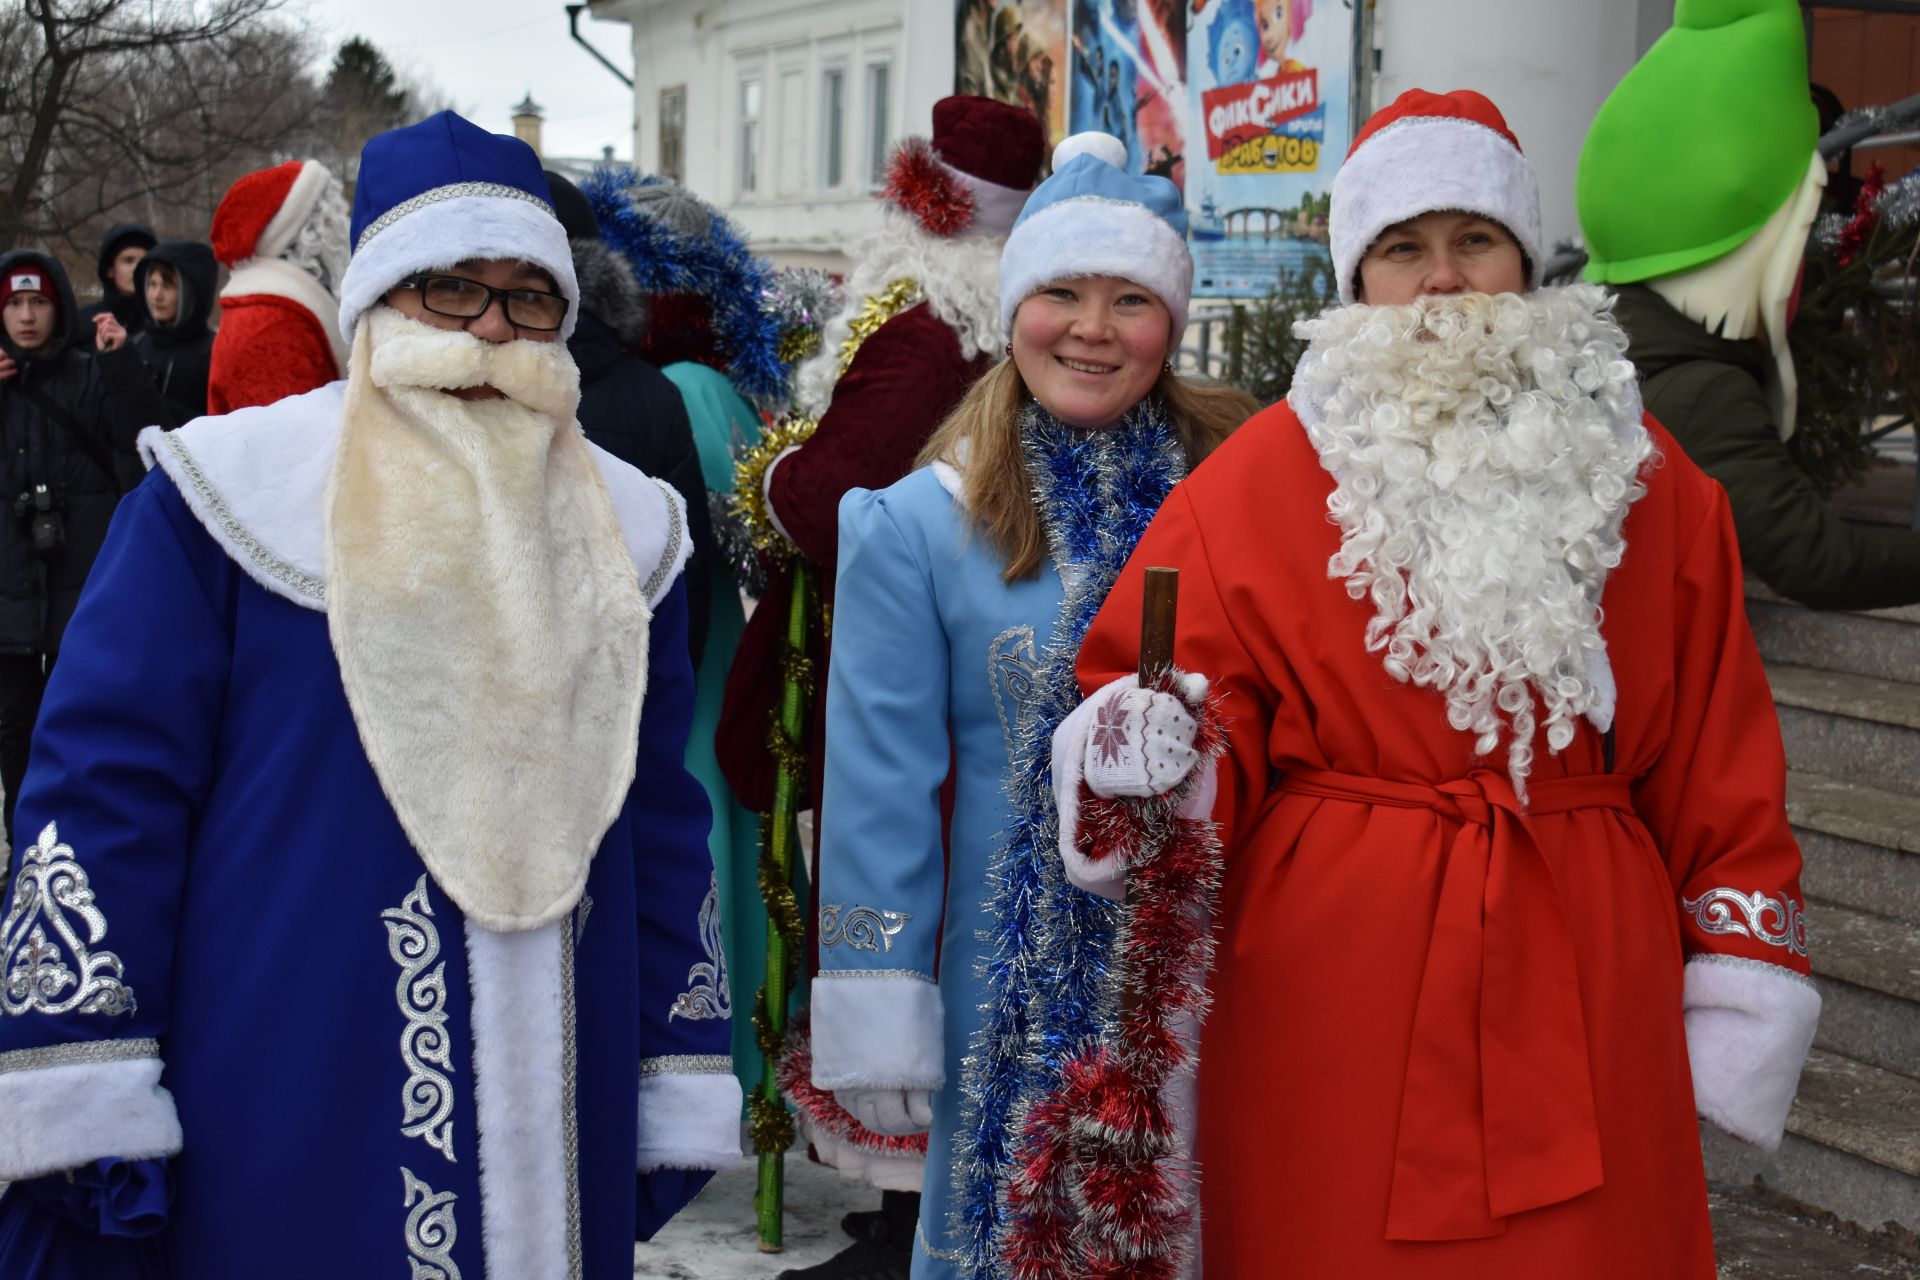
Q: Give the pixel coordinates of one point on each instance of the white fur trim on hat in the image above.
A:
(1423, 164)
(1091, 237)
(443, 233)
(302, 196)
(995, 208)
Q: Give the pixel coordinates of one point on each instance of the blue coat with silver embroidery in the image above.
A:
(223, 922)
(932, 653)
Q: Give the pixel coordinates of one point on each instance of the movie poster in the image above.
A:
(1015, 51)
(1271, 118)
(1129, 79)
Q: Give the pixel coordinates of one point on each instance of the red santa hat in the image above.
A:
(1428, 152)
(975, 173)
(263, 212)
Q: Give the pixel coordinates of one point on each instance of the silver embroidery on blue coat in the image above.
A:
(50, 967)
(427, 1097)
(580, 914)
(861, 928)
(708, 995)
(1778, 922)
(1012, 660)
(430, 1230)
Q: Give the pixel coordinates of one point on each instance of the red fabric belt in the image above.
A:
(1496, 1114)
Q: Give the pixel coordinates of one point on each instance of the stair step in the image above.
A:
(1883, 643)
(1868, 972)
(1850, 726)
(1756, 1237)
(1852, 1146)
(1861, 845)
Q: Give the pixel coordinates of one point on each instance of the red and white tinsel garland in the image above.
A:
(924, 187)
(1100, 1190)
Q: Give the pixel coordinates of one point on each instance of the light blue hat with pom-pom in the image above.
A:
(1093, 218)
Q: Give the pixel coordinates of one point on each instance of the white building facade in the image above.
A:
(781, 112)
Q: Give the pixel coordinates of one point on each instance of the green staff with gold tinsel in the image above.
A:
(769, 1124)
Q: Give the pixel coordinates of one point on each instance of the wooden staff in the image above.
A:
(1159, 609)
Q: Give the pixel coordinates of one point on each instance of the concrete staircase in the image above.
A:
(1847, 687)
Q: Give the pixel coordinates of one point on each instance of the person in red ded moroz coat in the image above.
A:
(1509, 890)
(283, 234)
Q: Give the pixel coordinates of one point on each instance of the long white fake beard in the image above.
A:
(1486, 450)
(485, 612)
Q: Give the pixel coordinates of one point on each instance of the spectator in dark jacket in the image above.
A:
(68, 419)
(120, 252)
(627, 406)
(176, 286)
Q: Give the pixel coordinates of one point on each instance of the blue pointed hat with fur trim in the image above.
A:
(442, 192)
(1092, 218)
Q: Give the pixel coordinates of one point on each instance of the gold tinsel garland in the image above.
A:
(749, 501)
(875, 311)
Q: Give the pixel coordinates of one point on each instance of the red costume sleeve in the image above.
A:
(1715, 800)
(266, 350)
(904, 379)
(1207, 641)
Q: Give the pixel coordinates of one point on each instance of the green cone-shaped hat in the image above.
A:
(1700, 143)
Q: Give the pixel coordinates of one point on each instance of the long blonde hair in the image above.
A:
(996, 488)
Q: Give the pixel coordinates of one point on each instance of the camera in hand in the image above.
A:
(45, 527)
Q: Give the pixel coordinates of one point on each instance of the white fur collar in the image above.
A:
(257, 479)
(275, 278)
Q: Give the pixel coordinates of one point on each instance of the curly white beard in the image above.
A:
(1485, 450)
(319, 248)
(958, 275)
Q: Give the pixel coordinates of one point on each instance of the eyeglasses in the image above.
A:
(463, 299)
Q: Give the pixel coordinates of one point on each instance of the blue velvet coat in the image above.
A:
(238, 984)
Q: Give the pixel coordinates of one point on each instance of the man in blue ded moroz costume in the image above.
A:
(358, 912)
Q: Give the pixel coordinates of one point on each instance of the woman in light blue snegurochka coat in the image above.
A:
(963, 593)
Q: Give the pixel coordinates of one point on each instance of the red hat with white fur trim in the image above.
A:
(263, 212)
(976, 172)
(1429, 152)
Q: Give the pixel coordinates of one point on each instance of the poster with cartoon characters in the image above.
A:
(1015, 51)
(1129, 79)
(1271, 116)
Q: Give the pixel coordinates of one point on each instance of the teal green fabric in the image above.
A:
(1700, 143)
(722, 421)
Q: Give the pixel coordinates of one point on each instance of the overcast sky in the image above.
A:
(486, 54)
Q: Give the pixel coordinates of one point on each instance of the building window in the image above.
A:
(749, 136)
(673, 133)
(833, 127)
(879, 91)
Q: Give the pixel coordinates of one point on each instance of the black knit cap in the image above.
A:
(575, 214)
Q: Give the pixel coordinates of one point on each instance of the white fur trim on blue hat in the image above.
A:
(1091, 218)
(1424, 164)
(440, 234)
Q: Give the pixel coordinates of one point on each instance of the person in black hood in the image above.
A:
(175, 282)
(627, 406)
(68, 418)
(120, 252)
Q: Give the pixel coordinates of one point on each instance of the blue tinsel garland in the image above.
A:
(718, 267)
(1047, 948)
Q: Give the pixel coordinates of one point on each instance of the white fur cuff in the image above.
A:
(1749, 1026)
(61, 1117)
(877, 1031)
(689, 1121)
